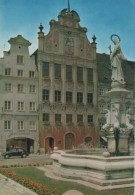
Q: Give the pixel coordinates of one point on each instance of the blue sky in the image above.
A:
(101, 17)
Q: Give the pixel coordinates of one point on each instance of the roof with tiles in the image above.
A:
(104, 69)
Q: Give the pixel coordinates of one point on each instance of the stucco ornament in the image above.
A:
(116, 57)
(128, 117)
(108, 119)
(116, 118)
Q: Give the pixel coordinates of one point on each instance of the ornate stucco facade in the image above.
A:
(68, 82)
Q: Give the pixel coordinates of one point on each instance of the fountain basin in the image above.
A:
(98, 170)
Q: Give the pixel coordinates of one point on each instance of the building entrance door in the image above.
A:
(69, 141)
(49, 144)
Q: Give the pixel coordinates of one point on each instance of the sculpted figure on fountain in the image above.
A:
(116, 57)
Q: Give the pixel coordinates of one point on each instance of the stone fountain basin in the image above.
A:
(99, 170)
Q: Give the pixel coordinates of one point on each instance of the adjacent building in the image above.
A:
(104, 85)
(19, 97)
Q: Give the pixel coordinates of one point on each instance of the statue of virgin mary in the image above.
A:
(116, 57)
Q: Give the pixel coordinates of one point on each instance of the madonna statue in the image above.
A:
(116, 57)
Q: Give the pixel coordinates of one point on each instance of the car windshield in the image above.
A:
(13, 150)
(20, 150)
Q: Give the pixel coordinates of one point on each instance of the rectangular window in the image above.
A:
(101, 108)
(7, 105)
(68, 72)
(32, 106)
(8, 87)
(20, 73)
(20, 106)
(69, 118)
(7, 71)
(57, 71)
(90, 118)
(57, 96)
(101, 92)
(31, 74)
(20, 88)
(20, 125)
(89, 98)
(45, 95)
(68, 97)
(58, 118)
(20, 59)
(7, 125)
(90, 74)
(79, 97)
(79, 118)
(32, 88)
(79, 74)
(45, 69)
(101, 123)
(45, 117)
(33, 125)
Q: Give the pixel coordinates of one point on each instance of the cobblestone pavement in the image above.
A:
(10, 187)
(41, 159)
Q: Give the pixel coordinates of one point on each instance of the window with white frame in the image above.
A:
(31, 74)
(100, 124)
(20, 125)
(20, 88)
(8, 87)
(32, 88)
(32, 106)
(7, 71)
(32, 125)
(20, 73)
(101, 108)
(7, 125)
(7, 105)
(20, 59)
(21, 106)
(101, 92)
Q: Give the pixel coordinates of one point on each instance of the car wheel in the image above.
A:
(24, 156)
(7, 156)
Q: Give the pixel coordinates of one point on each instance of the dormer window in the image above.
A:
(20, 59)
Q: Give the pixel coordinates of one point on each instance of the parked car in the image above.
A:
(15, 152)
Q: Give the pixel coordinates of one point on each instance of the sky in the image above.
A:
(102, 18)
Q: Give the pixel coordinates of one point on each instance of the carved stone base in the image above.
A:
(123, 144)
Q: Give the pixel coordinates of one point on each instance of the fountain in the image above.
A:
(115, 167)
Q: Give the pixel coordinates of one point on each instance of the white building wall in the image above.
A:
(19, 46)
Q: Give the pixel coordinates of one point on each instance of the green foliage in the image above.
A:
(61, 186)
